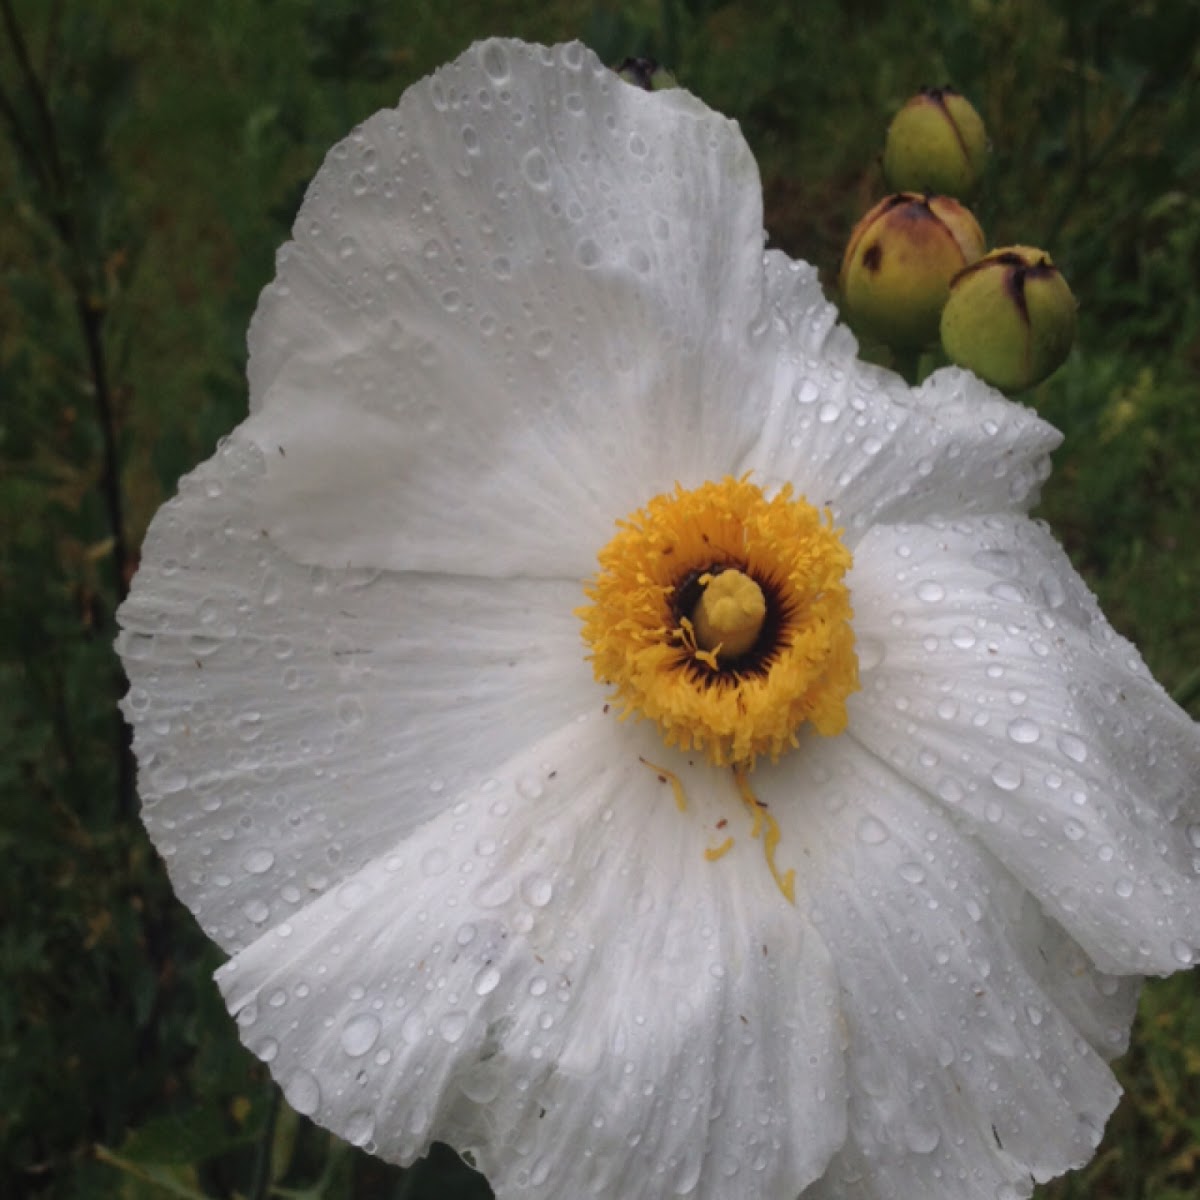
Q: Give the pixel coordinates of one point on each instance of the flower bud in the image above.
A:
(647, 74)
(1010, 318)
(896, 272)
(936, 142)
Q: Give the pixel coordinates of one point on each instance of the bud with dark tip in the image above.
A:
(1010, 318)
(937, 143)
(647, 74)
(896, 271)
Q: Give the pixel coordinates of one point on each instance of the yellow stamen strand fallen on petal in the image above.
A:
(667, 659)
(762, 817)
(715, 852)
(729, 614)
(670, 777)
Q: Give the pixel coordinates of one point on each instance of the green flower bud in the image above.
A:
(647, 74)
(1010, 318)
(896, 271)
(936, 142)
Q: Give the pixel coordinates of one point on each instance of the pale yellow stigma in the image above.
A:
(729, 614)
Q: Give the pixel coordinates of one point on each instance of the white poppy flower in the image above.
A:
(883, 944)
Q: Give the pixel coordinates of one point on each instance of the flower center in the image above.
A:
(723, 616)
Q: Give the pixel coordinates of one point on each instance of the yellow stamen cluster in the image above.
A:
(733, 682)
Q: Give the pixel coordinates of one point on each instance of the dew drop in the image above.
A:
(360, 1127)
(871, 832)
(536, 170)
(1007, 776)
(1073, 830)
(808, 393)
(495, 62)
(303, 1093)
(536, 890)
(587, 253)
(452, 1026)
(258, 862)
(950, 790)
(487, 980)
(360, 1034)
(1024, 732)
(930, 592)
(1072, 747)
(922, 1138)
(434, 861)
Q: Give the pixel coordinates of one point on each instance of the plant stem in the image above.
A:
(40, 150)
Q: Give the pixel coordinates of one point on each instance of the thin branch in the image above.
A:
(33, 83)
(46, 163)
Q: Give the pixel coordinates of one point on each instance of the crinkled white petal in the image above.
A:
(855, 437)
(969, 1056)
(289, 720)
(995, 683)
(553, 976)
(526, 290)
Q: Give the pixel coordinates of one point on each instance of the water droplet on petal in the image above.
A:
(495, 62)
(303, 1093)
(536, 890)
(1024, 732)
(587, 253)
(360, 1034)
(1072, 747)
(872, 832)
(452, 1026)
(258, 862)
(360, 1127)
(435, 861)
(1007, 776)
(487, 980)
(930, 591)
(922, 1138)
(536, 170)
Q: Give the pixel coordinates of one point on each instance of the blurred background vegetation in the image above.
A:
(155, 156)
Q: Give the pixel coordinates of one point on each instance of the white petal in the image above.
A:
(965, 1073)
(856, 437)
(554, 977)
(523, 293)
(995, 683)
(290, 720)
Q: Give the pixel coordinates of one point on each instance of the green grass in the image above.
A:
(140, 208)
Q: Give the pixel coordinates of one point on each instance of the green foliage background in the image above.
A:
(155, 155)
